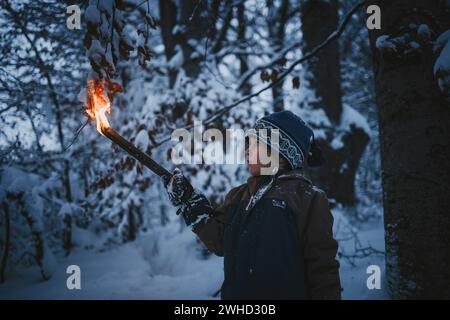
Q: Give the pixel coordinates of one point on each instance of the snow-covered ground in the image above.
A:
(354, 278)
(168, 264)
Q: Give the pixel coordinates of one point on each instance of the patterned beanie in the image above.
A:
(296, 138)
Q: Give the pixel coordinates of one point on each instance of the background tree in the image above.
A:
(182, 28)
(342, 146)
(414, 129)
(276, 27)
(4, 257)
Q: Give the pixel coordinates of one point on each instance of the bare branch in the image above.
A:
(77, 133)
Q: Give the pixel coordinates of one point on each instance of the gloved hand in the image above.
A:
(179, 188)
(193, 206)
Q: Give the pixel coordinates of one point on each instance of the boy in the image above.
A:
(274, 231)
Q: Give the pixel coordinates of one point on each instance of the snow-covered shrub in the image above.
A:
(32, 215)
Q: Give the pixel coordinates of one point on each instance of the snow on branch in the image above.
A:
(107, 41)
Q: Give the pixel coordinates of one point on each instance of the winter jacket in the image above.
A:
(277, 247)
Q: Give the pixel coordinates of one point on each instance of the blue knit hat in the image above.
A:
(296, 138)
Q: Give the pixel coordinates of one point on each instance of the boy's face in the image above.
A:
(253, 153)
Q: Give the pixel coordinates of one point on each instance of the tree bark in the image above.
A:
(242, 28)
(132, 228)
(168, 14)
(222, 36)
(5, 252)
(415, 151)
(67, 234)
(276, 27)
(319, 19)
(188, 15)
(337, 176)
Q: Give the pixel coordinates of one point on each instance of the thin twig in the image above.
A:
(77, 133)
(195, 9)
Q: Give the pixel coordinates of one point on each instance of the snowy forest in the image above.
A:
(377, 98)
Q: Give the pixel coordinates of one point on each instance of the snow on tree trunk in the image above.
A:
(342, 150)
(415, 152)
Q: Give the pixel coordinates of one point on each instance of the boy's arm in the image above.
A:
(206, 222)
(210, 230)
(322, 269)
(209, 224)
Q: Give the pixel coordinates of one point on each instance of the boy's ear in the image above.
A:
(283, 163)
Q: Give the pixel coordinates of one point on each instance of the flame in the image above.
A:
(100, 93)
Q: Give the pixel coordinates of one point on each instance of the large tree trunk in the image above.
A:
(415, 150)
(5, 251)
(319, 19)
(192, 17)
(242, 27)
(168, 14)
(276, 27)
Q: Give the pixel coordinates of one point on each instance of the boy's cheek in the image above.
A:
(252, 156)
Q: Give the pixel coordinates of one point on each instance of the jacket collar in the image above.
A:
(294, 174)
(254, 183)
(259, 185)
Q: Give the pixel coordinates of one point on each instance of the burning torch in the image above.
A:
(100, 94)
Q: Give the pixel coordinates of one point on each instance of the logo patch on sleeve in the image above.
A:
(279, 203)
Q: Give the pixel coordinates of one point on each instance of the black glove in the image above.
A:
(178, 188)
(193, 206)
